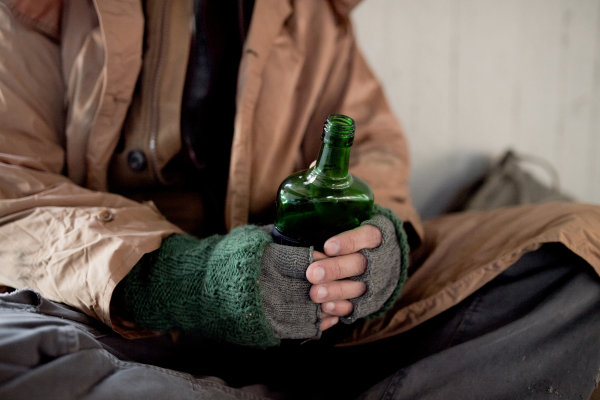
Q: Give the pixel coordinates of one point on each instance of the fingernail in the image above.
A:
(335, 321)
(329, 306)
(318, 273)
(321, 293)
(332, 248)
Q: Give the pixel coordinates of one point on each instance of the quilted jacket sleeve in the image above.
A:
(71, 244)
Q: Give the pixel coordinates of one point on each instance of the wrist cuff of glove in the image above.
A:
(208, 287)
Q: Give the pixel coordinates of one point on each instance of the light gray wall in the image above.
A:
(470, 78)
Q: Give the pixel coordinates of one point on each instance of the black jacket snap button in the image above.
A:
(137, 160)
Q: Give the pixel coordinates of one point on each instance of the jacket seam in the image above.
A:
(32, 22)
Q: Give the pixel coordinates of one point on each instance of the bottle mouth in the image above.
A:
(339, 126)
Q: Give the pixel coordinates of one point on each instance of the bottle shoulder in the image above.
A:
(304, 184)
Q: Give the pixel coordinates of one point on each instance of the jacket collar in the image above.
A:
(343, 7)
(267, 20)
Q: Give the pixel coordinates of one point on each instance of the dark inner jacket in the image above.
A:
(201, 170)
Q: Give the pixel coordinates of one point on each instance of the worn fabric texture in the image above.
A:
(207, 286)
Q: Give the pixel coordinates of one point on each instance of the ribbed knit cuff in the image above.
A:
(205, 286)
(402, 241)
(387, 267)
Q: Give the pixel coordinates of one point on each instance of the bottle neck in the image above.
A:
(333, 161)
(334, 156)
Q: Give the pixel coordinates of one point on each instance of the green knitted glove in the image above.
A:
(207, 286)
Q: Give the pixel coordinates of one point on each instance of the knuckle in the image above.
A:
(339, 308)
(336, 291)
(336, 270)
(349, 243)
(357, 265)
(375, 237)
(362, 288)
(314, 293)
(363, 263)
(346, 291)
(342, 307)
(347, 308)
(354, 290)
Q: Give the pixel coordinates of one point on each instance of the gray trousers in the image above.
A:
(531, 333)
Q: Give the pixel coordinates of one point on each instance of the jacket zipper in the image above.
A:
(154, 107)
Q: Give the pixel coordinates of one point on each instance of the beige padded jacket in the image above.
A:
(78, 78)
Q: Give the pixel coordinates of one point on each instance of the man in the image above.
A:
(152, 113)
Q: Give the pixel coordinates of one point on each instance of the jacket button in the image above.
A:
(137, 160)
(105, 216)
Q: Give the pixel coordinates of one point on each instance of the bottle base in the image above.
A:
(278, 238)
(317, 244)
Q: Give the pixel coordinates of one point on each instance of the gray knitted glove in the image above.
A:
(285, 289)
(383, 272)
(285, 292)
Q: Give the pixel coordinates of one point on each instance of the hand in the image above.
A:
(341, 260)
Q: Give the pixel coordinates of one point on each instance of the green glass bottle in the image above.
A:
(315, 204)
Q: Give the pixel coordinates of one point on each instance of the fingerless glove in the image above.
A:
(242, 288)
(205, 286)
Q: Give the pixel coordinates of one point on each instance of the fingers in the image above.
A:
(333, 293)
(317, 255)
(328, 322)
(331, 311)
(340, 308)
(312, 164)
(338, 290)
(363, 237)
(331, 269)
